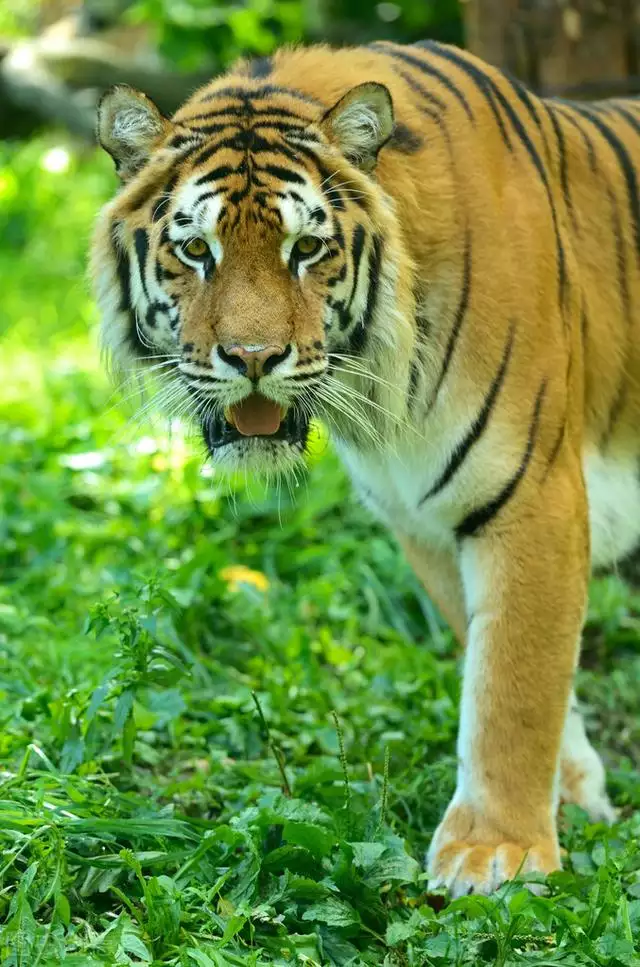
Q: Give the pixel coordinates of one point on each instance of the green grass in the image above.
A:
(199, 772)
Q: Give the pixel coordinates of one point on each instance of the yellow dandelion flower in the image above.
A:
(237, 574)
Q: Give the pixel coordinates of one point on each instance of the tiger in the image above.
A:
(409, 245)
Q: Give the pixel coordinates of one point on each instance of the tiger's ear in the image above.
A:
(129, 128)
(360, 123)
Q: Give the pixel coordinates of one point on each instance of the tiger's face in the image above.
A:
(250, 283)
(242, 251)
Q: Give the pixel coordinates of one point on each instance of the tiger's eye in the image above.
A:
(307, 245)
(196, 248)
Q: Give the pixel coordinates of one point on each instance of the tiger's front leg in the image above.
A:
(525, 585)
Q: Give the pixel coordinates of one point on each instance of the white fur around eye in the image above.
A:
(202, 219)
(186, 259)
(304, 262)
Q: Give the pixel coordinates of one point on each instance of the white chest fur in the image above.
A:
(393, 485)
(613, 489)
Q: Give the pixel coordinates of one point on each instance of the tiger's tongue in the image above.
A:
(256, 416)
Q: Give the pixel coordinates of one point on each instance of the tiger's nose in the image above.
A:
(253, 361)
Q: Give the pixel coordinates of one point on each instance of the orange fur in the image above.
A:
(494, 398)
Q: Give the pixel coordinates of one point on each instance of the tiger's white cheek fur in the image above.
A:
(115, 323)
(157, 315)
(134, 306)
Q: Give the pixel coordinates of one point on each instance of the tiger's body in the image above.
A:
(447, 269)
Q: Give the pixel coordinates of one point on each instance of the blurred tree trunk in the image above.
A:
(574, 47)
(489, 29)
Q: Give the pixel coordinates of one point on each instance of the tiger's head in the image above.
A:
(249, 257)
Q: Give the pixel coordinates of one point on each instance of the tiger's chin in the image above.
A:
(277, 453)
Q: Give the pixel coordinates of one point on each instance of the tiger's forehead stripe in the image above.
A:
(261, 91)
(253, 138)
(250, 109)
(260, 150)
(249, 120)
(294, 211)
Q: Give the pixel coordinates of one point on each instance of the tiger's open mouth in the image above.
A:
(256, 417)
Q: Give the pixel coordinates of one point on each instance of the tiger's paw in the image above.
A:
(582, 774)
(468, 854)
(585, 787)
